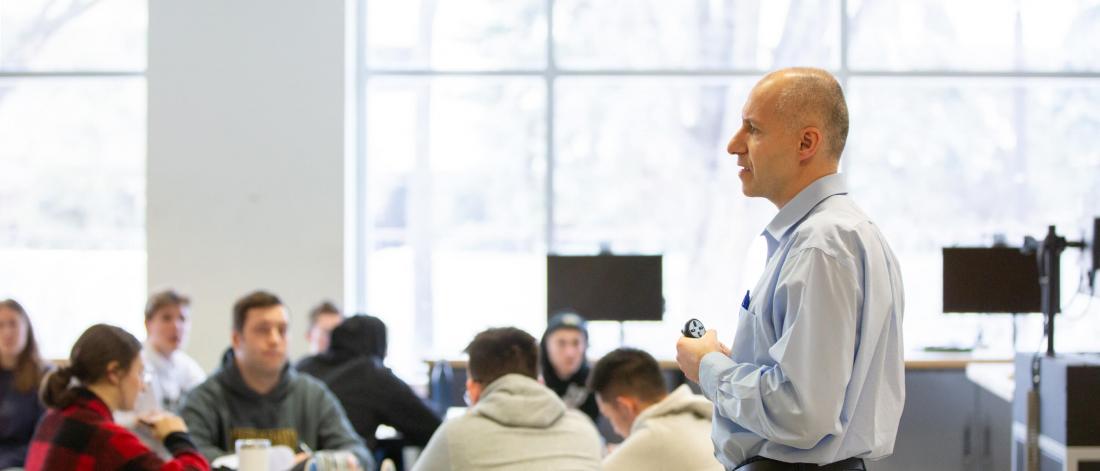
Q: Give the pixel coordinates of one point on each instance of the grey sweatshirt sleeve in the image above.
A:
(336, 433)
(199, 410)
(437, 454)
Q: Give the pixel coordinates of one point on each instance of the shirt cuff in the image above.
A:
(710, 373)
(179, 442)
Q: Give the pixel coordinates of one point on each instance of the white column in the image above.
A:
(246, 163)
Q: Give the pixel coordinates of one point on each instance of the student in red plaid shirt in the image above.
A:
(79, 433)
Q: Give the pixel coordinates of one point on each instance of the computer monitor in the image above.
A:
(605, 287)
(990, 280)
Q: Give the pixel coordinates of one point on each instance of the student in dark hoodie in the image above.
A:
(256, 394)
(564, 362)
(353, 369)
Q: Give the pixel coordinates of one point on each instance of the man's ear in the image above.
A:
(473, 388)
(809, 142)
(628, 403)
(235, 339)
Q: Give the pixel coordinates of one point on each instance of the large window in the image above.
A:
(496, 131)
(72, 164)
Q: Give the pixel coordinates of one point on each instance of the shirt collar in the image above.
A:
(802, 203)
(159, 361)
(88, 399)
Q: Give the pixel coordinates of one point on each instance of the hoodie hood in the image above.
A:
(680, 401)
(359, 335)
(515, 400)
(230, 378)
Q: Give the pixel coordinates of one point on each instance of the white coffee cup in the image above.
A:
(252, 454)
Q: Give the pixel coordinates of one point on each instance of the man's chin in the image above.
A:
(746, 184)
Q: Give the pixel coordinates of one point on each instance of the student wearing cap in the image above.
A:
(564, 363)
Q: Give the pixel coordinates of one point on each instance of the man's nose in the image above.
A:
(735, 145)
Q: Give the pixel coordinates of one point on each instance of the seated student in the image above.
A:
(21, 369)
(564, 362)
(171, 371)
(167, 322)
(514, 423)
(661, 430)
(353, 369)
(322, 319)
(255, 393)
(78, 431)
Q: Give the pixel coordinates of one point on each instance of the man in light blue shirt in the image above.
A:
(815, 373)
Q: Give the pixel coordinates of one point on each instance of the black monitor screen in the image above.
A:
(605, 287)
(998, 279)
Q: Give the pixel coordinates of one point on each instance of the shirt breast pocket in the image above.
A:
(744, 340)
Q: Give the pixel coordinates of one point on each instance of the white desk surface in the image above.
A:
(997, 378)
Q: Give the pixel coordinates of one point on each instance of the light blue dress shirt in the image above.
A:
(816, 371)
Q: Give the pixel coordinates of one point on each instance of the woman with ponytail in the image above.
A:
(105, 374)
(21, 369)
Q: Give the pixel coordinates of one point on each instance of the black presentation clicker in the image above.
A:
(694, 328)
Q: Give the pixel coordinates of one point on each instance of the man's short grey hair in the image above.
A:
(814, 92)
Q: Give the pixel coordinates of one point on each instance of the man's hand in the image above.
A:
(689, 352)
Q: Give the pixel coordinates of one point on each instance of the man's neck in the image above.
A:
(260, 382)
(165, 353)
(801, 184)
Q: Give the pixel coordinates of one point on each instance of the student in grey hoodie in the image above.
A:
(256, 394)
(514, 423)
(661, 430)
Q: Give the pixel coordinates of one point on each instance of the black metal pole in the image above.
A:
(1050, 276)
(1050, 281)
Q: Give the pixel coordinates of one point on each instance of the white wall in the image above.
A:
(246, 157)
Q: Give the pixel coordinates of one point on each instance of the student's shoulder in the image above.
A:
(208, 390)
(579, 426)
(639, 449)
(311, 389)
(194, 371)
(578, 419)
(309, 364)
(467, 424)
(307, 382)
